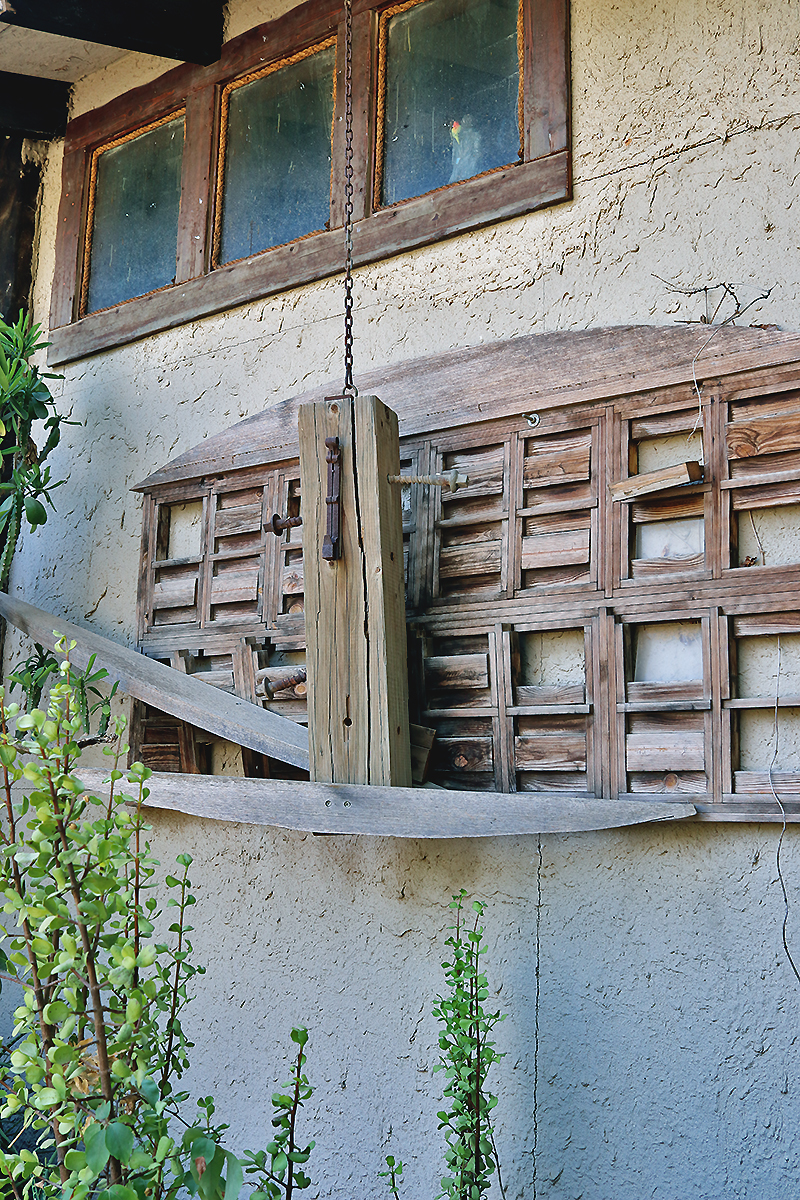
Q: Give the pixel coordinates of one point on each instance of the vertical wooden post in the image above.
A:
(355, 605)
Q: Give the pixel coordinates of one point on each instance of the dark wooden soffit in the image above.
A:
(391, 811)
(171, 691)
(35, 108)
(189, 30)
(524, 374)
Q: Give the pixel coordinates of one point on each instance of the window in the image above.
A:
(540, 655)
(213, 186)
(132, 224)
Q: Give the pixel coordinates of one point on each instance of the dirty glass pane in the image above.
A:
(135, 228)
(278, 157)
(452, 94)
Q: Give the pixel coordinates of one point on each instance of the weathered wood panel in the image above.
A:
(393, 812)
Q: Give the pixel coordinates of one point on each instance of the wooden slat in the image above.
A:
(167, 690)
(765, 624)
(769, 435)
(680, 751)
(471, 558)
(244, 519)
(673, 509)
(550, 752)
(662, 693)
(234, 589)
(563, 693)
(551, 467)
(769, 496)
(389, 811)
(175, 593)
(656, 481)
(648, 568)
(457, 671)
(555, 549)
(463, 754)
(786, 783)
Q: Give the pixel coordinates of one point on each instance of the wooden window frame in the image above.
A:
(542, 178)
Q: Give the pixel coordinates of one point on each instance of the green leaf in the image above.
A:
(55, 1012)
(119, 1140)
(149, 1091)
(234, 1177)
(97, 1153)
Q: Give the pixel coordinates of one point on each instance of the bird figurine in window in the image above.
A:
(466, 149)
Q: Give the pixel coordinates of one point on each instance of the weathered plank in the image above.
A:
(183, 696)
(391, 811)
(555, 549)
(656, 481)
(356, 643)
(457, 671)
(680, 751)
(769, 435)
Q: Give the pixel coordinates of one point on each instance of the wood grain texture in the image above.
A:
(391, 811)
(435, 392)
(170, 691)
(356, 639)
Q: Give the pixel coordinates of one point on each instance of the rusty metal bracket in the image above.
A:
(331, 545)
(278, 523)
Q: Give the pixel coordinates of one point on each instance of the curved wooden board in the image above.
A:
(170, 691)
(504, 378)
(391, 811)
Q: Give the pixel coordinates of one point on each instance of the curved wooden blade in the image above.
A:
(391, 811)
(171, 691)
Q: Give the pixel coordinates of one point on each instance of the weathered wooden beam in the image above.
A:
(656, 481)
(189, 30)
(391, 811)
(171, 691)
(355, 607)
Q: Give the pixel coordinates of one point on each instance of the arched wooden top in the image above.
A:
(503, 379)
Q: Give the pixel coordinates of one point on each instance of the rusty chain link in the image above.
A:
(349, 387)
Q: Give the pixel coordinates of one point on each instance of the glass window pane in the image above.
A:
(451, 102)
(277, 184)
(135, 227)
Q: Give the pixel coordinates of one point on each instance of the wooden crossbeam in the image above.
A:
(171, 691)
(391, 811)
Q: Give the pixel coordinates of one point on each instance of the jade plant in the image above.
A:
(25, 483)
(99, 1048)
(467, 1055)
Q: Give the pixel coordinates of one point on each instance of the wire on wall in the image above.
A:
(537, 951)
(778, 801)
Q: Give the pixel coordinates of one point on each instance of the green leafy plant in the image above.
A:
(283, 1174)
(24, 399)
(467, 1057)
(33, 675)
(394, 1175)
(99, 1047)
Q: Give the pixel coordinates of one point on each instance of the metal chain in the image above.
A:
(349, 387)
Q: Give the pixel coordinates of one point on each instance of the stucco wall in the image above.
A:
(667, 1017)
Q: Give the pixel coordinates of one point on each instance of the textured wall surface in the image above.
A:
(666, 1062)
